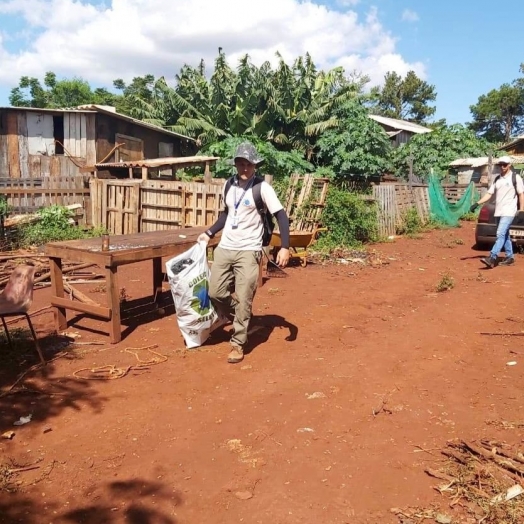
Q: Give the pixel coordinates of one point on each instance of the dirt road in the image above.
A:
(355, 369)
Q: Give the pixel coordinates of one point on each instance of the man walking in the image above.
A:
(239, 252)
(509, 194)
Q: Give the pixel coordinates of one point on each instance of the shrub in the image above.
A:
(350, 220)
(54, 224)
(446, 283)
(411, 223)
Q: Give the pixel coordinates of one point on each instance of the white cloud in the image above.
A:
(126, 38)
(410, 16)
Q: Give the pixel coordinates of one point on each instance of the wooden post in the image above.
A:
(113, 303)
(144, 173)
(158, 276)
(207, 174)
(130, 172)
(57, 289)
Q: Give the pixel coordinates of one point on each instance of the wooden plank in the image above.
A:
(119, 214)
(35, 166)
(113, 302)
(57, 289)
(23, 147)
(67, 140)
(97, 311)
(90, 140)
(40, 134)
(13, 158)
(42, 190)
(158, 277)
(74, 133)
(135, 208)
(82, 152)
(4, 166)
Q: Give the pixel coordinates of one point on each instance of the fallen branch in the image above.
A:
(21, 470)
(506, 464)
(440, 475)
(75, 293)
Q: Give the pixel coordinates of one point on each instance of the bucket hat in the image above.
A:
(247, 151)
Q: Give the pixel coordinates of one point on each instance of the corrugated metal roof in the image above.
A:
(483, 161)
(107, 110)
(158, 162)
(471, 162)
(46, 110)
(403, 125)
(514, 142)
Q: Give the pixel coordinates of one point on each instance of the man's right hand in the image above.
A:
(203, 238)
(473, 208)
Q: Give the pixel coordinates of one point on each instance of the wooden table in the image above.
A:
(123, 249)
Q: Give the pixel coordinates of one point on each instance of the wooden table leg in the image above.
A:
(113, 302)
(158, 276)
(57, 290)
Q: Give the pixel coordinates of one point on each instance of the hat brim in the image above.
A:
(258, 162)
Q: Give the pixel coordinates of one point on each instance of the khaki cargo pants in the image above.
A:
(242, 269)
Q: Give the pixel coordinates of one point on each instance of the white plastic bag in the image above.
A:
(188, 275)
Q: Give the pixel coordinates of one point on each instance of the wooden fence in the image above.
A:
(27, 195)
(133, 206)
(394, 200)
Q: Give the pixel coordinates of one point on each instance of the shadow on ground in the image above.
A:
(30, 388)
(129, 502)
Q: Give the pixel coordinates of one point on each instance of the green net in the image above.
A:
(442, 210)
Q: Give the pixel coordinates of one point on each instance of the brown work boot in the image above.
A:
(236, 355)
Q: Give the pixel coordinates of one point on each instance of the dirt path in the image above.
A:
(354, 370)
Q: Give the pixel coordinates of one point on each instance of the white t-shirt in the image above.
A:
(247, 236)
(506, 201)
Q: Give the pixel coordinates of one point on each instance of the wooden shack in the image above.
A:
(399, 131)
(515, 149)
(46, 155)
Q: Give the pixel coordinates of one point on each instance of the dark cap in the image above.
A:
(248, 152)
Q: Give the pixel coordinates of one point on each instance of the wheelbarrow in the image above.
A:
(299, 241)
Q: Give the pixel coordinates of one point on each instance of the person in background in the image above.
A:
(509, 196)
(238, 255)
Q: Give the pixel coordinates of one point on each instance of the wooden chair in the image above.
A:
(16, 299)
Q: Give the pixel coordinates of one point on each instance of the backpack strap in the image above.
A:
(257, 192)
(257, 195)
(229, 183)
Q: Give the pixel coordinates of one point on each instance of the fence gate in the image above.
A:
(116, 205)
(386, 198)
(133, 206)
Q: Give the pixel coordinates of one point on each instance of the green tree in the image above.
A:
(280, 164)
(140, 87)
(435, 150)
(500, 113)
(289, 106)
(357, 147)
(406, 98)
(57, 93)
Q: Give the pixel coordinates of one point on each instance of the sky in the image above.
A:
(464, 48)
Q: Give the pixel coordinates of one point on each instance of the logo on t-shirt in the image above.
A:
(247, 202)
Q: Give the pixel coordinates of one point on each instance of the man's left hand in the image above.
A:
(282, 257)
